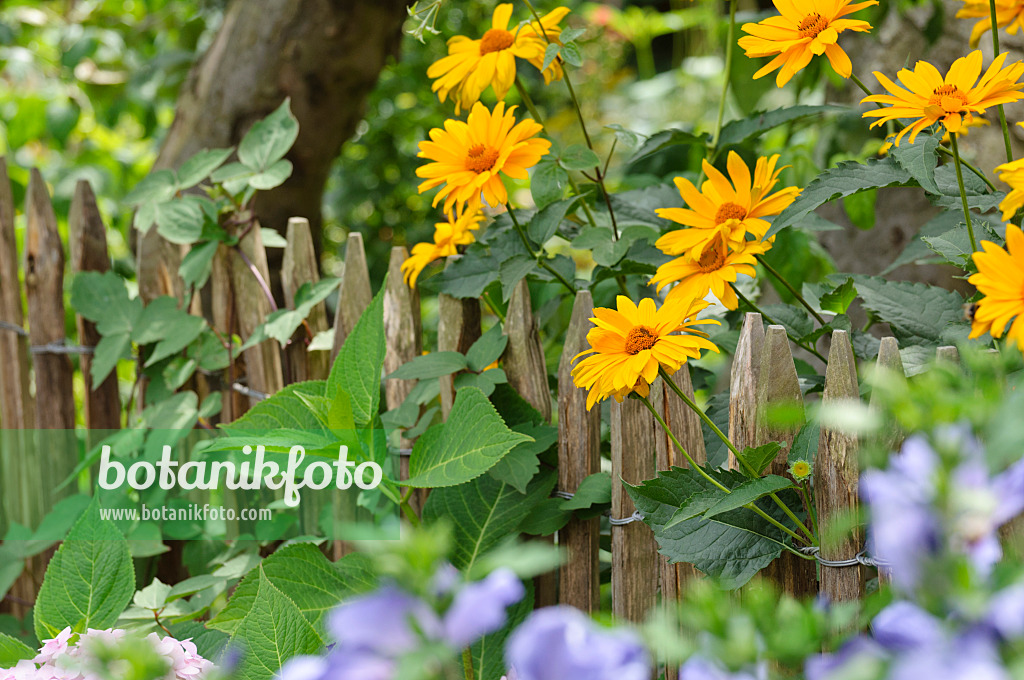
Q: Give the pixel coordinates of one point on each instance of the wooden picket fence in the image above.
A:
(763, 374)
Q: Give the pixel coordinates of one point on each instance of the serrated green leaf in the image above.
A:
(805, 444)
(521, 464)
(760, 457)
(357, 368)
(748, 492)
(547, 183)
(840, 299)
(578, 157)
(451, 453)
(269, 139)
(89, 580)
(920, 160)
(430, 366)
(918, 314)
(795, 319)
(739, 131)
(466, 276)
(282, 324)
(487, 349)
(696, 505)
(284, 410)
(544, 224)
(845, 179)
(198, 167)
(665, 139)
(954, 246)
(12, 651)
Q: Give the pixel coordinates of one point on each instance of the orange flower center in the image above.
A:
(729, 211)
(496, 40)
(639, 339)
(712, 258)
(949, 98)
(812, 25)
(481, 158)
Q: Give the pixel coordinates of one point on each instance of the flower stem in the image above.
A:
(721, 487)
(467, 664)
(732, 447)
(728, 74)
(537, 257)
(963, 191)
(790, 288)
(811, 512)
(995, 53)
(743, 298)
(493, 307)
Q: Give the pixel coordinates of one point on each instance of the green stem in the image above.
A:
(693, 464)
(467, 663)
(536, 256)
(995, 53)
(493, 307)
(805, 490)
(407, 509)
(963, 191)
(743, 298)
(728, 74)
(790, 288)
(732, 447)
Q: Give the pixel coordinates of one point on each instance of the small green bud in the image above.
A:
(800, 470)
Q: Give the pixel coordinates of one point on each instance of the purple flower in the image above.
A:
(903, 626)
(860, 651)
(384, 622)
(1005, 615)
(973, 656)
(479, 608)
(699, 668)
(561, 643)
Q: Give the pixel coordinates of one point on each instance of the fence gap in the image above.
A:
(355, 293)
(87, 237)
(746, 366)
(778, 386)
(299, 266)
(579, 455)
(836, 476)
(524, 356)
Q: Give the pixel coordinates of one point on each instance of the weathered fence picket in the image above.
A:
(524, 356)
(300, 266)
(458, 327)
(746, 366)
(355, 293)
(250, 277)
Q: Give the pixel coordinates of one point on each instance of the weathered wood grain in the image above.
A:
(300, 266)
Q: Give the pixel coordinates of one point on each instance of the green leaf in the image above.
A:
(89, 581)
(918, 314)
(171, 328)
(284, 410)
(487, 349)
(452, 453)
(550, 54)
(482, 513)
(357, 368)
(12, 651)
(196, 169)
(839, 300)
(180, 221)
(272, 177)
(665, 139)
(794, 318)
(579, 157)
(595, 489)
(272, 632)
(282, 324)
(920, 160)
(845, 179)
(545, 223)
(103, 299)
(466, 276)
(546, 518)
(739, 131)
(759, 458)
(155, 187)
(521, 464)
(547, 183)
(954, 246)
(430, 366)
(198, 263)
(571, 54)
(269, 139)
(300, 571)
(485, 382)
(748, 492)
(154, 596)
(805, 445)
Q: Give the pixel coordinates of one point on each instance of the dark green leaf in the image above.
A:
(839, 300)
(665, 139)
(760, 457)
(748, 492)
(196, 265)
(579, 157)
(487, 349)
(738, 131)
(430, 366)
(358, 366)
(918, 314)
(269, 139)
(920, 160)
(547, 183)
(198, 167)
(546, 222)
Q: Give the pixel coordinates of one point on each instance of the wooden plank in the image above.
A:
(300, 266)
(889, 358)
(746, 366)
(948, 354)
(635, 565)
(778, 385)
(836, 476)
(355, 293)
(158, 263)
(16, 406)
(524, 356)
(579, 455)
(223, 314)
(458, 327)
(250, 275)
(88, 241)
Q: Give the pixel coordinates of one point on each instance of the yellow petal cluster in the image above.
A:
(1000, 280)
(448, 236)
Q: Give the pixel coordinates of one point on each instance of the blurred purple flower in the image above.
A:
(1005, 615)
(561, 643)
(970, 657)
(479, 608)
(860, 650)
(384, 622)
(903, 625)
(699, 668)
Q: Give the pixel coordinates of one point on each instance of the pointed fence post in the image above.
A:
(88, 241)
(579, 456)
(778, 385)
(524, 356)
(948, 354)
(16, 406)
(300, 266)
(836, 476)
(889, 359)
(355, 293)
(746, 366)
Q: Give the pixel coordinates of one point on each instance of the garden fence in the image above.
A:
(37, 384)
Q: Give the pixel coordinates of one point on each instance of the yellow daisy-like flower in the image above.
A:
(472, 65)
(951, 100)
(1009, 15)
(1012, 174)
(629, 344)
(468, 157)
(448, 236)
(964, 130)
(731, 207)
(802, 30)
(712, 272)
(1000, 279)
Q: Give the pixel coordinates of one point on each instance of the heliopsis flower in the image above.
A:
(448, 236)
(713, 271)
(629, 344)
(1000, 279)
(964, 130)
(731, 209)
(1009, 15)
(472, 65)
(468, 157)
(952, 100)
(803, 29)
(1012, 174)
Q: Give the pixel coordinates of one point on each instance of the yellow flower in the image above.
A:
(803, 29)
(629, 344)
(952, 100)
(468, 157)
(1000, 279)
(731, 209)
(964, 129)
(1008, 13)
(448, 236)
(472, 65)
(1012, 174)
(713, 271)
